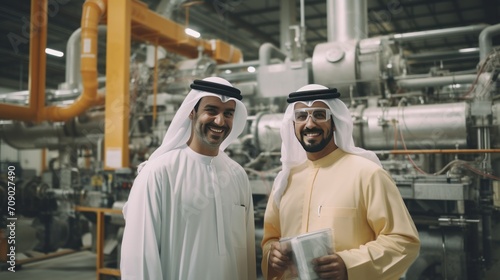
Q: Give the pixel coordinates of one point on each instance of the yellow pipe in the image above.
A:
(146, 26)
(92, 12)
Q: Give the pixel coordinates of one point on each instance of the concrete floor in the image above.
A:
(75, 266)
(81, 266)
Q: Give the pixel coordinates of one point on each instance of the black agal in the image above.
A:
(216, 88)
(309, 95)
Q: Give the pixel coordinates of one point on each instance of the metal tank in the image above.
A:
(435, 126)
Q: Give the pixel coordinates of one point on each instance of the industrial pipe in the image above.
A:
(92, 12)
(73, 53)
(444, 55)
(437, 33)
(485, 40)
(145, 22)
(266, 50)
(346, 20)
(436, 81)
(19, 135)
(440, 151)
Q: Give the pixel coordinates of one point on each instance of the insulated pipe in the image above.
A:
(437, 33)
(346, 20)
(92, 12)
(436, 81)
(266, 51)
(287, 19)
(19, 135)
(485, 38)
(446, 55)
(73, 52)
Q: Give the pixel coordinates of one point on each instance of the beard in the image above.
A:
(315, 147)
(209, 139)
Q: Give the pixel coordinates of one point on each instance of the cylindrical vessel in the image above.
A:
(438, 126)
(266, 132)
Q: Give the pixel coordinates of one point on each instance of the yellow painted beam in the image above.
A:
(37, 73)
(151, 27)
(37, 61)
(116, 152)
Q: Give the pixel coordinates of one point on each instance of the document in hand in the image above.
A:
(306, 247)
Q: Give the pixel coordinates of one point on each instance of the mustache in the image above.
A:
(308, 130)
(218, 127)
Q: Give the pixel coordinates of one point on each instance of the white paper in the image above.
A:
(309, 246)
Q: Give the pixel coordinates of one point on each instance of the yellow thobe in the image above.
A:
(372, 229)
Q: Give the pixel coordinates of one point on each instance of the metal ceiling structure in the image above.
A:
(249, 24)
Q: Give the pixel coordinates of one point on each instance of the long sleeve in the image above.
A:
(272, 232)
(396, 244)
(140, 253)
(251, 259)
(372, 229)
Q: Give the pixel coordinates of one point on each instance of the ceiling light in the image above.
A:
(466, 50)
(251, 69)
(192, 33)
(54, 52)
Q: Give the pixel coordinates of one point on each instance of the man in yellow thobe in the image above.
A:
(327, 182)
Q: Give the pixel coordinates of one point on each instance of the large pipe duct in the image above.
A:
(346, 20)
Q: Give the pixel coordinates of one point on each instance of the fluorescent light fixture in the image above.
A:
(466, 50)
(192, 33)
(54, 52)
(251, 69)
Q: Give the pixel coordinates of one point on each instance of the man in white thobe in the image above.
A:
(190, 213)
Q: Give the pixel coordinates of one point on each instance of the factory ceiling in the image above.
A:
(249, 24)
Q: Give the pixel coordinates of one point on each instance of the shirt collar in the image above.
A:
(198, 157)
(326, 160)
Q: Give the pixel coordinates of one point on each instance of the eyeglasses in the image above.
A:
(318, 115)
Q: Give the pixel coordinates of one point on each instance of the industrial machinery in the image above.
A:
(436, 133)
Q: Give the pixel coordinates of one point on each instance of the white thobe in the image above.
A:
(189, 216)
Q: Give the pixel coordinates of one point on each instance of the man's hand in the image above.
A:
(330, 267)
(278, 259)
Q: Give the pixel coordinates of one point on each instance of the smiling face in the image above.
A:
(212, 123)
(314, 130)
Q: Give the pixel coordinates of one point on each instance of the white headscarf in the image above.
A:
(179, 131)
(292, 152)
